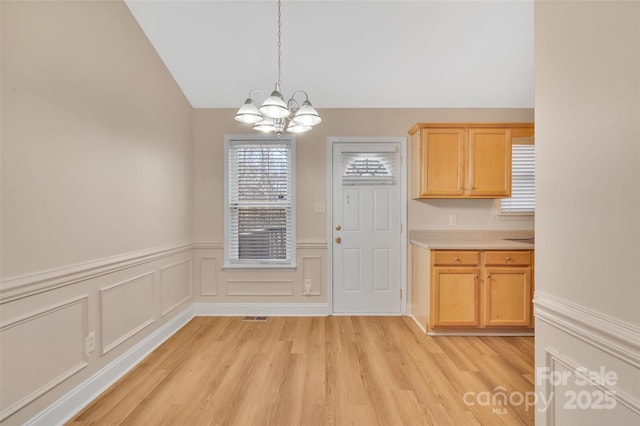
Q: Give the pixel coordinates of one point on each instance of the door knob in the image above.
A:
(338, 227)
(338, 240)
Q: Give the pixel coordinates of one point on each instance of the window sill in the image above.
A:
(515, 216)
(259, 267)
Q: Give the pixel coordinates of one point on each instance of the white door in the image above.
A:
(366, 228)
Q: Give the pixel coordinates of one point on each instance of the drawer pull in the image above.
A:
(508, 258)
(457, 259)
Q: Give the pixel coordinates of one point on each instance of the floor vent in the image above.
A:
(254, 319)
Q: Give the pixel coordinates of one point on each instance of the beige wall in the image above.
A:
(96, 196)
(587, 82)
(96, 154)
(212, 284)
(108, 177)
(210, 125)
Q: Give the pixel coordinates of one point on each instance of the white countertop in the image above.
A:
(471, 239)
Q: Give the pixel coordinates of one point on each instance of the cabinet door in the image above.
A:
(507, 297)
(489, 163)
(455, 298)
(442, 162)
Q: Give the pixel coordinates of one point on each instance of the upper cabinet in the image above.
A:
(453, 160)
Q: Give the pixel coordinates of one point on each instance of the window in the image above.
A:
(368, 168)
(522, 199)
(259, 201)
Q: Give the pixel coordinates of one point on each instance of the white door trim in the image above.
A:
(403, 212)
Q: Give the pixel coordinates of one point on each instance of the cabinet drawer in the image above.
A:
(516, 258)
(454, 258)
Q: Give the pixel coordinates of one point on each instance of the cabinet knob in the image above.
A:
(475, 276)
(508, 258)
(489, 276)
(338, 227)
(338, 240)
(457, 259)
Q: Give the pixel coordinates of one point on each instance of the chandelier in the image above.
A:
(276, 115)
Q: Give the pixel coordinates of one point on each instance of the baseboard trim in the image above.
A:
(497, 333)
(72, 403)
(611, 335)
(268, 309)
(420, 326)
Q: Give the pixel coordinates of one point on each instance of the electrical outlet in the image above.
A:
(307, 287)
(453, 220)
(90, 343)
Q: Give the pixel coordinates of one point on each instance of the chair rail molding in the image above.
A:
(28, 285)
(617, 338)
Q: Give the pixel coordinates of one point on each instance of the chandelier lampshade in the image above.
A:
(307, 115)
(275, 106)
(248, 113)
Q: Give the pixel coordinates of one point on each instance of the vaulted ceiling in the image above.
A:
(348, 53)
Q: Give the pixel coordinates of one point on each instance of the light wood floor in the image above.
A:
(318, 371)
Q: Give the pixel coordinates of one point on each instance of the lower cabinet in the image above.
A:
(456, 297)
(478, 289)
(507, 297)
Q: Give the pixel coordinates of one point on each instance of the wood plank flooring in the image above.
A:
(320, 371)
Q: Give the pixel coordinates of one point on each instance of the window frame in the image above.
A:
(229, 262)
(504, 213)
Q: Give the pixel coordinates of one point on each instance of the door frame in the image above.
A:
(402, 140)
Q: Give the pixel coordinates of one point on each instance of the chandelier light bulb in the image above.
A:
(266, 125)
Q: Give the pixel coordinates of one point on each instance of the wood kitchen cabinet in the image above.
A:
(463, 160)
(507, 288)
(472, 289)
(455, 297)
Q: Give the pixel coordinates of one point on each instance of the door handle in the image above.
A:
(338, 227)
(338, 240)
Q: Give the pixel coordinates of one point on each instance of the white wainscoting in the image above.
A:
(73, 402)
(29, 341)
(125, 309)
(258, 288)
(131, 303)
(590, 370)
(47, 320)
(27, 285)
(209, 276)
(312, 267)
(619, 339)
(215, 284)
(175, 285)
(588, 400)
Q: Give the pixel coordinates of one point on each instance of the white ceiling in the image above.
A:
(348, 54)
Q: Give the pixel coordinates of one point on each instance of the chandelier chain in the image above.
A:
(279, 46)
(276, 115)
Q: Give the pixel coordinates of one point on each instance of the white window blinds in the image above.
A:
(369, 168)
(260, 220)
(522, 199)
